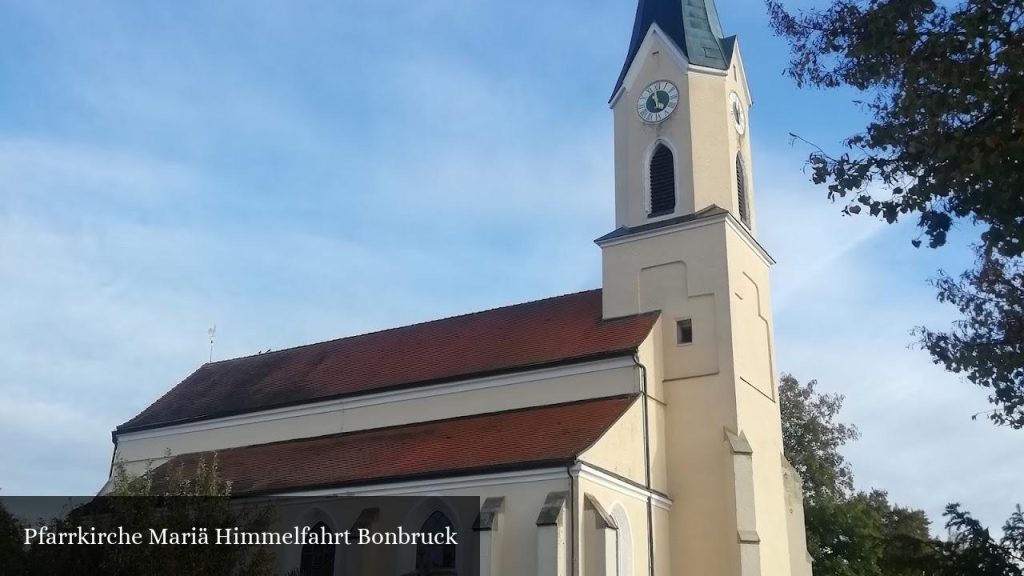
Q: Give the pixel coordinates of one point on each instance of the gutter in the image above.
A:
(113, 455)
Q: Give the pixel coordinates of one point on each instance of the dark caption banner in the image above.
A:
(259, 536)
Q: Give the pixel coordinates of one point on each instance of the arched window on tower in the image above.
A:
(741, 190)
(435, 558)
(317, 559)
(662, 182)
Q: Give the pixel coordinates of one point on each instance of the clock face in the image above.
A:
(657, 101)
(739, 117)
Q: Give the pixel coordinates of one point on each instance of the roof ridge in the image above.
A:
(393, 328)
(546, 332)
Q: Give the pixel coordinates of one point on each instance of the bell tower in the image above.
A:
(685, 244)
(680, 106)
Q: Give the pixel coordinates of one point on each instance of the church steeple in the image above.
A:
(684, 245)
(681, 141)
(693, 26)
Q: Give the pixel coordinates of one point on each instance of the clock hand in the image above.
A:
(657, 101)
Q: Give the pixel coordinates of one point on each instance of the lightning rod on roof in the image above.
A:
(211, 333)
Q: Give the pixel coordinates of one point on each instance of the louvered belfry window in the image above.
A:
(741, 191)
(663, 182)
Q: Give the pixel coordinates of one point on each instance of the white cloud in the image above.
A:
(111, 308)
(848, 291)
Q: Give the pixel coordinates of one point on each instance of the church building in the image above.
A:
(629, 430)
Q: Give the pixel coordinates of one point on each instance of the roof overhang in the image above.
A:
(508, 441)
(708, 217)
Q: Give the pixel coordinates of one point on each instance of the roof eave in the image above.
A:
(423, 476)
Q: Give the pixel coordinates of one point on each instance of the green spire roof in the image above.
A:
(692, 24)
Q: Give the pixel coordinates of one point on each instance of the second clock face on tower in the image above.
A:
(739, 118)
(657, 101)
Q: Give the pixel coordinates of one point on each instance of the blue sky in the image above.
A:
(294, 171)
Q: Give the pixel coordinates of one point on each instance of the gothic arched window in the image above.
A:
(317, 559)
(662, 182)
(436, 558)
(741, 190)
(623, 541)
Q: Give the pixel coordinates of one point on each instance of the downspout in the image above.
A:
(647, 464)
(572, 519)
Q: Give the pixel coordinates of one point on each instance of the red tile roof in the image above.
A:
(520, 439)
(546, 332)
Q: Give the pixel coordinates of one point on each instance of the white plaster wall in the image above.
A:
(758, 414)
(620, 450)
(523, 503)
(636, 512)
(713, 272)
(799, 558)
(517, 530)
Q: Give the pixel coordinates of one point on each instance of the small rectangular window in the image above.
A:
(684, 331)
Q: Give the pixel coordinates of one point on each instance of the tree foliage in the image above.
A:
(852, 533)
(987, 343)
(863, 534)
(12, 553)
(848, 533)
(813, 437)
(944, 88)
(177, 499)
(971, 550)
(203, 480)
